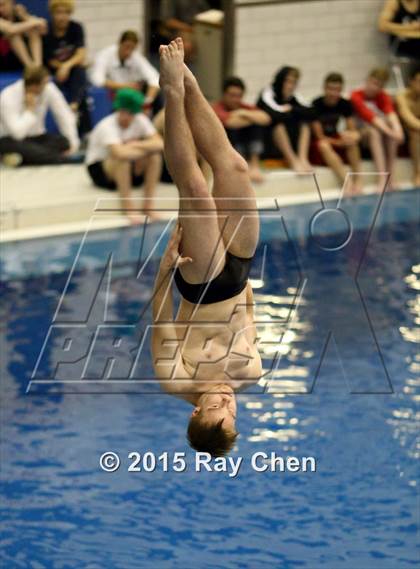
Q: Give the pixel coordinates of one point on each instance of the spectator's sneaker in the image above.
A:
(12, 160)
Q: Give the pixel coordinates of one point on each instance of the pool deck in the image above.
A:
(55, 200)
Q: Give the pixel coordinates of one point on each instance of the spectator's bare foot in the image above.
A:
(151, 214)
(172, 66)
(301, 166)
(356, 188)
(384, 183)
(256, 175)
(296, 165)
(135, 218)
(306, 166)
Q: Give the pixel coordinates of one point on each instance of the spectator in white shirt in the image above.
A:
(23, 107)
(123, 150)
(120, 66)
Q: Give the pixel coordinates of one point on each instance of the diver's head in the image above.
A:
(212, 425)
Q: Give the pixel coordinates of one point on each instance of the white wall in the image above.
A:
(318, 37)
(104, 20)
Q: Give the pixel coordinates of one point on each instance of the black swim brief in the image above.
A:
(230, 282)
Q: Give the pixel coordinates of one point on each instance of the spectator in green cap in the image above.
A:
(125, 151)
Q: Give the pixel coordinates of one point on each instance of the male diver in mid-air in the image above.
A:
(208, 351)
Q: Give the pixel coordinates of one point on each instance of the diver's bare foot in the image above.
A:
(189, 78)
(416, 181)
(171, 66)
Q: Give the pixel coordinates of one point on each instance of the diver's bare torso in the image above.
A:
(217, 344)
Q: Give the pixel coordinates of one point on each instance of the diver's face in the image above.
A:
(218, 404)
(333, 93)
(289, 85)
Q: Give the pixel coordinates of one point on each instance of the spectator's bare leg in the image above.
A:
(254, 169)
(151, 166)
(19, 47)
(353, 157)
(120, 172)
(201, 239)
(414, 146)
(35, 46)
(303, 147)
(332, 159)
(376, 146)
(233, 193)
(282, 141)
(391, 147)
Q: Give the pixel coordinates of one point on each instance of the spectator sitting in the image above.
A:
(243, 124)
(23, 107)
(121, 147)
(408, 103)
(289, 118)
(401, 19)
(123, 66)
(330, 146)
(382, 127)
(175, 18)
(20, 37)
(64, 55)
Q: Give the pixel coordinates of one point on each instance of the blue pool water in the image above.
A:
(353, 405)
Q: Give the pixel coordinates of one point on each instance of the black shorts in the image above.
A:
(229, 283)
(99, 177)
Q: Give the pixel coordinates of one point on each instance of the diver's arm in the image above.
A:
(166, 353)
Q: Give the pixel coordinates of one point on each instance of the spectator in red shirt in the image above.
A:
(382, 127)
(243, 124)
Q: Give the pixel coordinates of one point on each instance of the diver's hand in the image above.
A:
(172, 258)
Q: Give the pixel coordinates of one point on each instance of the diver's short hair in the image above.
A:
(210, 438)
